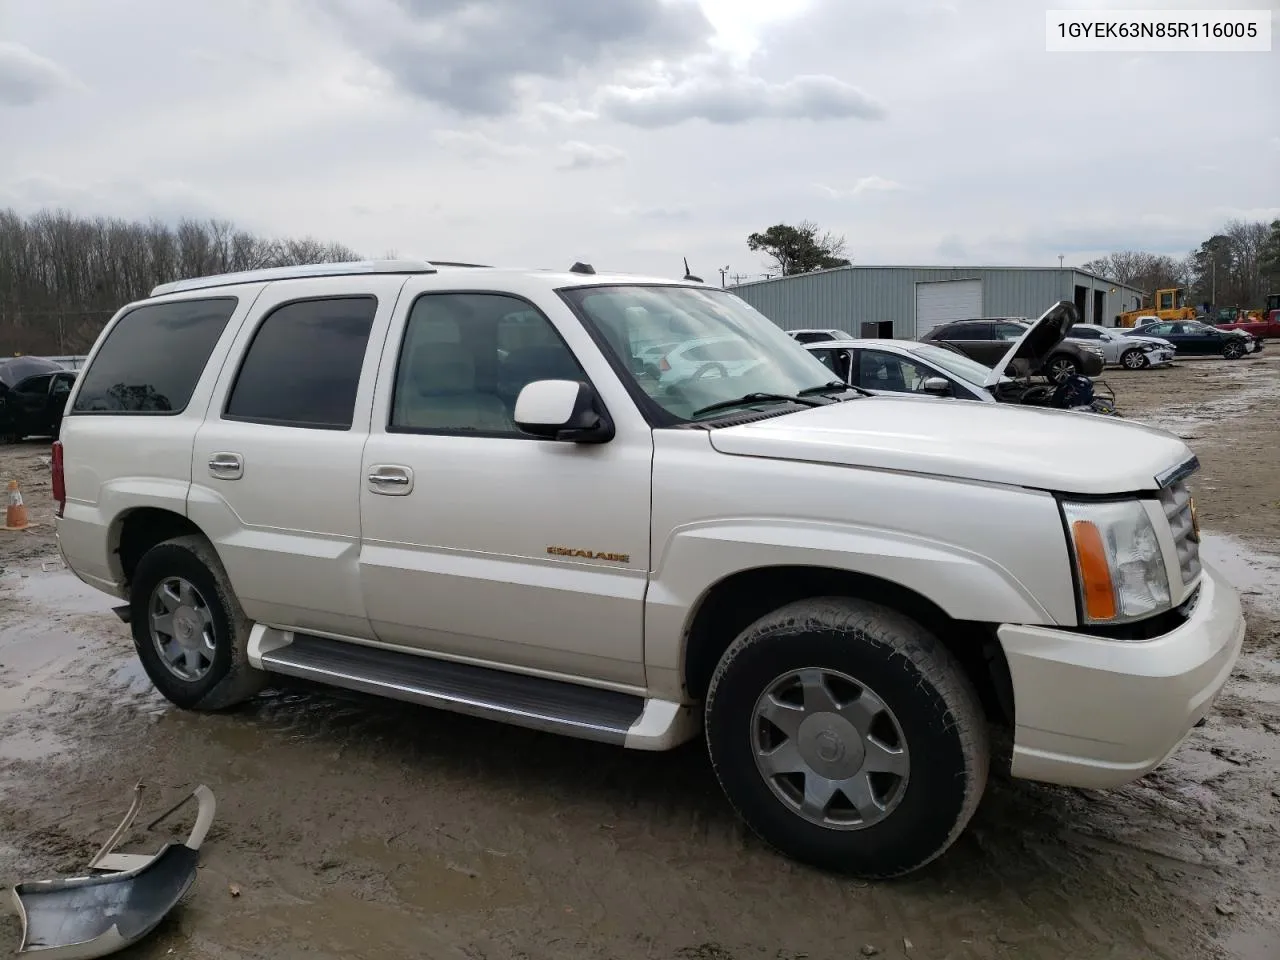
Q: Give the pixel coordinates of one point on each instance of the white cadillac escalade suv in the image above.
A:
(483, 490)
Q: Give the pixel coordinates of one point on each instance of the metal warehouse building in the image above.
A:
(908, 302)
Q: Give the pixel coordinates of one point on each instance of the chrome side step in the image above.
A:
(540, 703)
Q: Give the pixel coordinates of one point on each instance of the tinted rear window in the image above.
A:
(302, 368)
(966, 331)
(153, 357)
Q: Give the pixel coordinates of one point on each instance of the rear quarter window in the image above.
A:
(152, 359)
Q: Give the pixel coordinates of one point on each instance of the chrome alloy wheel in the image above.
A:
(830, 749)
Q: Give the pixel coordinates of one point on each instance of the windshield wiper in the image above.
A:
(834, 385)
(748, 398)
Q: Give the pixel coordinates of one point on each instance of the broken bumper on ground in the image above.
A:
(1097, 713)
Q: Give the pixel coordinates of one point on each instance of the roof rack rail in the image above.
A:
(456, 263)
(342, 269)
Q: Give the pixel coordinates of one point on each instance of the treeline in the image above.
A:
(1236, 267)
(63, 276)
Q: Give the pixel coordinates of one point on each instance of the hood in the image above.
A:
(1145, 339)
(1059, 450)
(1041, 337)
(15, 369)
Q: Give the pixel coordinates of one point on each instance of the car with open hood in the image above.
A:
(33, 392)
(1047, 352)
(473, 489)
(936, 370)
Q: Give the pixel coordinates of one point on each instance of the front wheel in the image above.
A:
(1234, 350)
(189, 630)
(847, 737)
(1060, 367)
(1133, 359)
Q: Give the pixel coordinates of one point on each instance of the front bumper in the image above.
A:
(1097, 713)
(1159, 358)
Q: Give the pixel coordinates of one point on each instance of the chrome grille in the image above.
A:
(1176, 500)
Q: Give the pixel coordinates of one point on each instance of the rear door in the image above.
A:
(276, 468)
(975, 340)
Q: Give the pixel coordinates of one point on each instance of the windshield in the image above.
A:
(956, 364)
(715, 346)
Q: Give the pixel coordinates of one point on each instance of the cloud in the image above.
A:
(169, 200)
(563, 113)
(584, 156)
(472, 55)
(657, 213)
(27, 78)
(733, 96)
(862, 185)
(477, 145)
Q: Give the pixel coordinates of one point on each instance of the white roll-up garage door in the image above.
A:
(943, 300)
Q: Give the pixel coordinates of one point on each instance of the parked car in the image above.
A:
(33, 393)
(1195, 339)
(988, 340)
(1124, 349)
(330, 472)
(704, 357)
(817, 336)
(933, 370)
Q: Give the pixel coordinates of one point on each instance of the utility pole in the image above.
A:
(1060, 258)
(723, 272)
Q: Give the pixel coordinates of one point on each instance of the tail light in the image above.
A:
(663, 365)
(59, 478)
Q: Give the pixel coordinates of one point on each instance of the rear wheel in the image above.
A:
(1059, 367)
(188, 628)
(1133, 359)
(847, 737)
(1233, 350)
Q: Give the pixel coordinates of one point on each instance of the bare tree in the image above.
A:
(62, 276)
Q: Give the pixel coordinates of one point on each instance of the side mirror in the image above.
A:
(566, 410)
(936, 385)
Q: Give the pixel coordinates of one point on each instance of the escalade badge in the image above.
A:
(589, 554)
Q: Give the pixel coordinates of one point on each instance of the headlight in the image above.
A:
(1150, 347)
(1119, 565)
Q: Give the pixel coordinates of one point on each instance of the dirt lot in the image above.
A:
(356, 828)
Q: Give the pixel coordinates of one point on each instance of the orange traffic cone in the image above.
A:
(15, 517)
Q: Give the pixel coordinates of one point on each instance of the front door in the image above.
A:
(480, 542)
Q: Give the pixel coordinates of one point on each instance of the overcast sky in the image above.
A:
(630, 133)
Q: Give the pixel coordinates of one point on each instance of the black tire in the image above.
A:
(1134, 359)
(1233, 349)
(230, 679)
(1060, 366)
(907, 668)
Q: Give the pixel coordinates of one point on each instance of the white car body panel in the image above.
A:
(992, 443)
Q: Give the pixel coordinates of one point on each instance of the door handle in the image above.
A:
(226, 466)
(390, 480)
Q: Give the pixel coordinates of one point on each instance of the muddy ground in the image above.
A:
(356, 828)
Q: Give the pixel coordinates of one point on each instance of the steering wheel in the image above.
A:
(703, 370)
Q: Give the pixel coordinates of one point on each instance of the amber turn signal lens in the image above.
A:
(1095, 573)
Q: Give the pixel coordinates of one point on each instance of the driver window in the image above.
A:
(36, 386)
(887, 371)
(1009, 331)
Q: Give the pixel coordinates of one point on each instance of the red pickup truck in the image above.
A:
(1266, 329)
